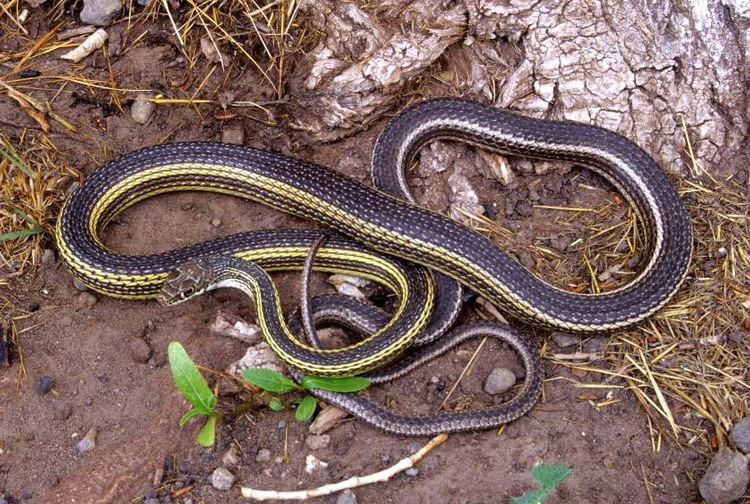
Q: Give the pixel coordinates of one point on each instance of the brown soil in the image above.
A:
(135, 407)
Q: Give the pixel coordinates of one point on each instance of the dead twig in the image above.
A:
(356, 481)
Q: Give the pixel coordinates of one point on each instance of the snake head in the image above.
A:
(191, 278)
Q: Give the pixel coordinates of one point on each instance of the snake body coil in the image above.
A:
(387, 223)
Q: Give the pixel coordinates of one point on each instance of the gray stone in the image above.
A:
(264, 455)
(44, 384)
(142, 108)
(318, 441)
(500, 380)
(740, 435)
(726, 479)
(139, 350)
(347, 497)
(222, 479)
(88, 442)
(152, 500)
(48, 257)
(233, 135)
(412, 471)
(100, 12)
(86, 300)
(565, 340)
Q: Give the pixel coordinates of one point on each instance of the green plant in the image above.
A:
(277, 383)
(195, 389)
(548, 477)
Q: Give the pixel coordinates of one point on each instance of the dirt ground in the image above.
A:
(134, 406)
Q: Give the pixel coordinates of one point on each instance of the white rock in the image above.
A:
(259, 355)
(142, 108)
(226, 324)
(222, 479)
(313, 463)
(231, 456)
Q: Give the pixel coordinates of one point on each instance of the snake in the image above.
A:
(385, 219)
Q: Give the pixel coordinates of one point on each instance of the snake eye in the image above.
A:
(188, 292)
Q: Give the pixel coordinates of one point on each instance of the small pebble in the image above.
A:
(347, 497)
(722, 252)
(233, 135)
(139, 350)
(281, 425)
(318, 441)
(524, 209)
(740, 435)
(634, 261)
(500, 380)
(88, 442)
(412, 471)
(726, 479)
(561, 242)
(141, 109)
(151, 500)
(264, 455)
(222, 479)
(86, 300)
(564, 340)
(62, 411)
(44, 384)
(48, 257)
(216, 222)
(80, 286)
(156, 361)
(231, 456)
(737, 336)
(314, 464)
(100, 12)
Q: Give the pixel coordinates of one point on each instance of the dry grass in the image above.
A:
(237, 27)
(690, 376)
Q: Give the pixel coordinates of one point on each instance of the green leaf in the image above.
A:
(21, 232)
(549, 476)
(189, 380)
(8, 152)
(188, 415)
(207, 435)
(269, 380)
(346, 384)
(306, 408)
(275, 404)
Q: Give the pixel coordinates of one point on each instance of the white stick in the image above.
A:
(92, 43)
(354, 482)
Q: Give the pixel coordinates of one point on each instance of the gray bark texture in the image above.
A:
(637, 67)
